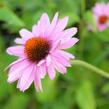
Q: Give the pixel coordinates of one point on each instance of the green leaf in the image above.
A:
(10, 17)
(85, 96)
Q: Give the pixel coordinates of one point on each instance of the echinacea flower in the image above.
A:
(41, 51)
(101, 15)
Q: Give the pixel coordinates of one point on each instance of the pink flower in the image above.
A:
(41, 51)
(101, 15)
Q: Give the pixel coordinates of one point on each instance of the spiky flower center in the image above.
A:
(103, 19)
(37, 49)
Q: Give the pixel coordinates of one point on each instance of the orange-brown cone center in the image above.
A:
(103, 19)
(37, 49)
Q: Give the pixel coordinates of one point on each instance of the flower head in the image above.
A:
(41, 51)
(101, 15)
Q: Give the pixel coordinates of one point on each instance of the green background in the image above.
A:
(79, 88)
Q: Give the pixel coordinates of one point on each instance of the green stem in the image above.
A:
(90, 67)
(83, 7)
(81, 28)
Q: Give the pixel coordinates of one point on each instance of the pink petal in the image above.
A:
(69, 43)
(108, 24)
(62, 60)
(26, 34)
(62, 24)
(13, 63)
(51, 72)
(41, 62)
(41, 70)
(16, 70)
(48, 60)
(67, 34)
(43, 24)
(36, 31)
(98, 10)
(102, 27)
(16, 50)
(107, 10)
(55, 46)
(27, 77)
(65, 54)
(52, 25)
(19, 41)
(28, 83)
(59, 28)
(37, 83)
(17, 64)
(59, 66)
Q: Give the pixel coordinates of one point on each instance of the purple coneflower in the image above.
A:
(41, 51)
(101, 15)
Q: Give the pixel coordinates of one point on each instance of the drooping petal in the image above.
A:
(14, 66)
(41, 70)
(28, 83)
(55, 46)
(27, 77)
(51, 72)
(62, 60)
(41, 62)
(16, 70)
(59, 67)
(48, 60)
(64, 54)
(37, 82)
(13, 63)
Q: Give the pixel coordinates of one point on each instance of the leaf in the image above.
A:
(85, 96)
(10, 17)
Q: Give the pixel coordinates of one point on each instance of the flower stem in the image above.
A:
(81, 29)
(90, 67)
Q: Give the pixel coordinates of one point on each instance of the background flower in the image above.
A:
(101, 15)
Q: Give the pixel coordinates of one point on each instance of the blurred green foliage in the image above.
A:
(79, 88)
